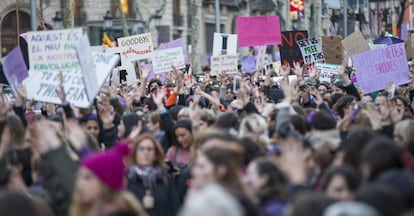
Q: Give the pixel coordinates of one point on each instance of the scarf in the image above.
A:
(149, 175)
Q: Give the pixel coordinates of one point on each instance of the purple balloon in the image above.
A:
(249, 64)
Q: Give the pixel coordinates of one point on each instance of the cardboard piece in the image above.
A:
(289, 50)
(227, 63)
(224, 44)
(258, 31)
(311, 49)
(355, 43)
(164, 59)
(332, 48)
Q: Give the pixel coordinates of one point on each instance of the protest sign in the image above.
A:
(291, 79)
(173, 44)
(289, 50)
(248, 64)
(258, 31)
(276, 66)
(15, 69)
(332, 48)
(355, 43)
(134, 48)
(326, 71)
(164, 59)
(261, 57)
(88, 68)
(226, 63)
(375, 68)
(311, 50)
(404, 32)
(409, 46)
(224, 44)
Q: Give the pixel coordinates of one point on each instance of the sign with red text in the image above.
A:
(375, 68)
(134, 48)
(164, 59)
(311, 49)
(289, 50)
(226, 63)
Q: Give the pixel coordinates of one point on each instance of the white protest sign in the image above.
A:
(163, 59)
(261, 57)
(88, 68)
(311, 49)
(326, 71)
(104, 65)
(227, 63)
(134, 48)
(224, 44)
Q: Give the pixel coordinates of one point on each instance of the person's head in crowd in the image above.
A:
(254, 127)
(183, 134)
(383, 198)
(100, 185)
(338, 87)
(155, 122)
(404, 134)
(207, 119)
(380, 154)
(367, 99)
(15, 203)
(230, 94)
(354, 144)
(139, 111)
(310, 203)
(382, 104)
(334, 98)
(90, 124)
(253, 150)
(400, 103)
(358, 118)
(327, 97)
(228, 121)
(128, 123)
(220, 203)
(184, 114)
(340, 183)
(321, 120)
(147, 151)
(175, 110)
(14, 129)
(350, 208)
(267, 181)
(154, 85)
(299, 123)
(323, 155)
(323, 87)
(345, 106)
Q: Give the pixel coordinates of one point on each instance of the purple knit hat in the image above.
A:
(109, 165)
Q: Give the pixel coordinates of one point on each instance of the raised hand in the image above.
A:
(75, 135)
(159, 96)
(298, 69)
(107, 115)
(145, 72)
(285, 70)
(136, 130)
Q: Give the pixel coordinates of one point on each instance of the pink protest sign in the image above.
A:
(258, 31)
(375, 68)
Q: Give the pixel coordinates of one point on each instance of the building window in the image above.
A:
(210, 29)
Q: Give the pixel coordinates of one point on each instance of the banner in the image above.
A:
(227, 63)
(311, 50)
(15, 69)
(326, 71)
(164, 59)
(355, 43)
(289, 50)
(224, 44)
(258, 31)
(332, 48)
(375, 68)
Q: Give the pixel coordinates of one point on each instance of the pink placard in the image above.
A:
(258, 31)
(375, 68)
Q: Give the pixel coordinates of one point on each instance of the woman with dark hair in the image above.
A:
(180, 153)
(345, 106)
(353, 145)
(340, 183)
(128, 122)
(269, 184)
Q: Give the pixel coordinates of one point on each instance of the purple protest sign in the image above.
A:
(174, 44)
(375, 68)
(404, 32)
(15, 68)
(248, 64)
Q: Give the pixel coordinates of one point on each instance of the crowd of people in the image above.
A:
(193, 147)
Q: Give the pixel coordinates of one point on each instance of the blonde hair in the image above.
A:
(255, 128)
(184, 113)
(123, 200)
(405, 130)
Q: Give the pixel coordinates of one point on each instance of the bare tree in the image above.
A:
(68, 19)
(195, 38)
(404, 4)
(141, 6)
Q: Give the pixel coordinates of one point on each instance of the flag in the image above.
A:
(106, 40)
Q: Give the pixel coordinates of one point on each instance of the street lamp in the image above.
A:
(58, 20)
(108, 20)
(157, 17)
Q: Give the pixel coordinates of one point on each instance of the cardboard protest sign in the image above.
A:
(355, 43)
(227, 63)
(258, 31)
(332, 48)
(15, 69)
(134, 48)
(375, 68)
(311, 50)
(327, 71)
(261, 57)
(224, 44)
(289, 50)
(164, 59)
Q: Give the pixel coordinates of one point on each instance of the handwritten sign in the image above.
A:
(375, 68)
(311, 50)
(355, 43)
(258, 31)
(261, 57)
(224, 44)
(15, 69)
(332, 48)
(134, 48)
(163, 59)
(289, 50)
(326, 71)
(174, 44)
(227, 63)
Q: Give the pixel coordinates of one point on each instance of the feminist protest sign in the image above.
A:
(311, 50)
(375, 68)
(226, 63)
(163, 60)
(327, 71)
(15, 69)
(289, 50)
(332, 48)
(258, 31)
(134, 48)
